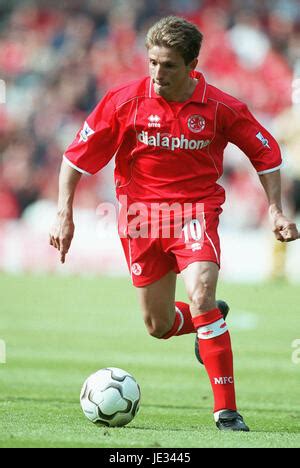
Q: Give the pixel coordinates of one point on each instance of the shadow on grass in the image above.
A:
(293, 416)
(8, 399)
(74, 402)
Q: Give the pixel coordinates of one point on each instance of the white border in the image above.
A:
(268, 171)
(75, 167)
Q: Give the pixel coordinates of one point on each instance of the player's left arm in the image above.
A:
(242, 129)
(284, 229)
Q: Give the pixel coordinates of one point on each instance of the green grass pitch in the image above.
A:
(58, 330)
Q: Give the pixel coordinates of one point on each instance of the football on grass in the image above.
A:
(110, 397)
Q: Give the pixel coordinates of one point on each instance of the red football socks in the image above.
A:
(216, 353)
(183, 323)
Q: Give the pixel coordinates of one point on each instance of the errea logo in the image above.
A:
(154, 121)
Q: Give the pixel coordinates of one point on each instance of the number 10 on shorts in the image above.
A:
(193, 234)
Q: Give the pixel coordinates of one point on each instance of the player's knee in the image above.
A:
(157, 328)
(203, 298)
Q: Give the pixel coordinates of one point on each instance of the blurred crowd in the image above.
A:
(58, 58)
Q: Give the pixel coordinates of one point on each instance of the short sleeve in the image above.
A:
(242, 129)
(97, 141)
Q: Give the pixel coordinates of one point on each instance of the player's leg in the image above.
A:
(201, 279)
(224, 309)
(152, 273)
(157, 304)
(163, 316)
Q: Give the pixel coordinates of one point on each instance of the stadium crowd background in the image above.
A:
(58, 58)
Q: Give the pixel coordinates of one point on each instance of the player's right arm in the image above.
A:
(93, 147)
(62, 232)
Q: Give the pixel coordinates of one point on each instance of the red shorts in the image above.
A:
(151, 258)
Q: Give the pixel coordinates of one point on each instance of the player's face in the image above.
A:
(169, 73)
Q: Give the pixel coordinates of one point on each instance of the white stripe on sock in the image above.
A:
(178, 311)
(213, 330)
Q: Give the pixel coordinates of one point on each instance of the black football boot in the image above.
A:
(230, 420)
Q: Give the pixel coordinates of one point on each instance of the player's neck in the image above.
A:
(184, 93)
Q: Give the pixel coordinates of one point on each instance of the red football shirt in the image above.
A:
(171, 152)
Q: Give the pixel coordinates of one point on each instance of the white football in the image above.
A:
(110, 397)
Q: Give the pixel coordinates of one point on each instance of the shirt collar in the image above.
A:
(199, 94)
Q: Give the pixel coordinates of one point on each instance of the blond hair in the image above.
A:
(176, 33)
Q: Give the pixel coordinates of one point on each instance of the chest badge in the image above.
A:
(196, 123)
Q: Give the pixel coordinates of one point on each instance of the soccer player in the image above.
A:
(168, 132)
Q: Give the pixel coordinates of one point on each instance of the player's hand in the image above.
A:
(61, 235)
(284, 229)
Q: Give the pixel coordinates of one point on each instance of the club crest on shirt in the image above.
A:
(196, 123)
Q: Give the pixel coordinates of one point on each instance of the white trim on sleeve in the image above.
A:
(75, 167)
(268, 171)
